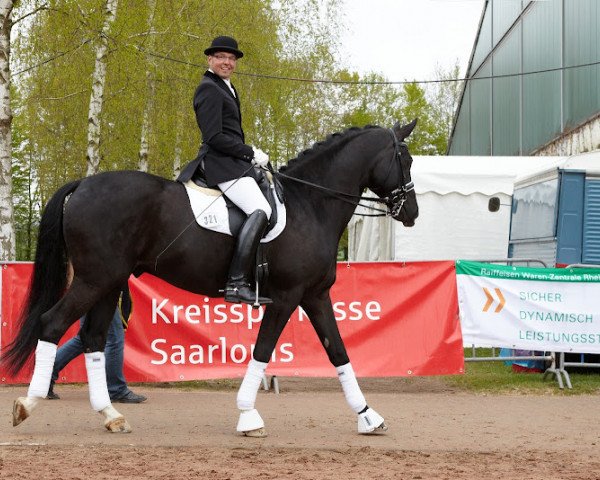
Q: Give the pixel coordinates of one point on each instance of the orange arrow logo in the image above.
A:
(490, 300)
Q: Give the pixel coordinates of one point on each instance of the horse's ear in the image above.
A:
(404, 131)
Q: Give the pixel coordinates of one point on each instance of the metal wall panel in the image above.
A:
(541, 91)
(506, 117)
(484, 40)
(591, 223)
(555, 34)
(505, 13)
(461, 140)
(481, 91)
(581, 46)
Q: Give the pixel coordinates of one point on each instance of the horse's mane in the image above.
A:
(331, 145)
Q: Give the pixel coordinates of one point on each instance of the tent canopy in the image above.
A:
(467, 175)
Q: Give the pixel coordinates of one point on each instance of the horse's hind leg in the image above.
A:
(23, 407)
(54, 324)
(320, 313)
(93, 336)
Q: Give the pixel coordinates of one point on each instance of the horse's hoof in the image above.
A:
(370, 422)
(251, 424)
(258, 433)
(20, 411)
(118, 425)
(381, 428)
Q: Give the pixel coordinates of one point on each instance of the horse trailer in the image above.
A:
(555, 213)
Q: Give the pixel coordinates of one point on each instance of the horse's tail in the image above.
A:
(48, 282)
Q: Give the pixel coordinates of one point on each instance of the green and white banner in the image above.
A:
(548, 309)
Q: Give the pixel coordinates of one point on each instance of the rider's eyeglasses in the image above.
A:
(222, 57)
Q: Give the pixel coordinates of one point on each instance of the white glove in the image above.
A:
(260, 158)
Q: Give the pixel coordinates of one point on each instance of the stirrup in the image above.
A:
(240, 292)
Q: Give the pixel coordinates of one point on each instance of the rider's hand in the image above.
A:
(260, 158)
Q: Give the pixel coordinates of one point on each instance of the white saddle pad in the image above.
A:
(210, 211)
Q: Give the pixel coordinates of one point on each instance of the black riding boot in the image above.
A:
(238, 288)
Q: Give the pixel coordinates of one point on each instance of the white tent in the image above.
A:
(454, 221)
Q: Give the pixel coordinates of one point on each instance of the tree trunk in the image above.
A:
(178, 143)
(150, 87)
(7, 234)
(97, 96)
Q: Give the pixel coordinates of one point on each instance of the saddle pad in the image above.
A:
(211, 212)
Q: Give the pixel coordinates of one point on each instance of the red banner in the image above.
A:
(396, 319)
(14, 283)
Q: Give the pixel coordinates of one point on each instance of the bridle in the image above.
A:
(394, 201)
(397, 197)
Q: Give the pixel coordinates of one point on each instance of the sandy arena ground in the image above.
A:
(434, 433)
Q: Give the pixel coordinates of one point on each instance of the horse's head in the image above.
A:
(391, 178)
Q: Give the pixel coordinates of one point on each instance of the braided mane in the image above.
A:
(330, 146)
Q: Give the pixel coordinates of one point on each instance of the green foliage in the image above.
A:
(427, 138)
(445, 96)
(25, 192)
(156, 54)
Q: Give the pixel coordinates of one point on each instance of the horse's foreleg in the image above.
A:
(40, 382)
(276, 315)
(250, 422)
(369, 421)
(320, 313)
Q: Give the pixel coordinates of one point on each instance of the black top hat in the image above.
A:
(224, 44)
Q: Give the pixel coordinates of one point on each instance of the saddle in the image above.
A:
(236, 215)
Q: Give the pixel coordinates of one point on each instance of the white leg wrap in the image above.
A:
(370, 421)
(45, 353)
(250, 420)
(246, 396)
(96, 372)
(354, 396)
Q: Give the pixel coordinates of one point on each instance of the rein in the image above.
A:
(394, 202)
(339, 195)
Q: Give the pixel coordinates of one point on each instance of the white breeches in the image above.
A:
(246, 194)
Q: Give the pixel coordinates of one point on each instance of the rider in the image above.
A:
(228, 162)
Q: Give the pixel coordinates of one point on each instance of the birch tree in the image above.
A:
(7, 235)
(150, 86)
(97, 95)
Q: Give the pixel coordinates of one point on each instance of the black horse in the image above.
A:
(118, 223)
